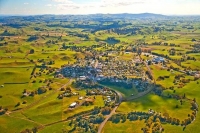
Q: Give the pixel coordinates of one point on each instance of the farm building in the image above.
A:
(82, 77)
(158, 59)
(73, 105)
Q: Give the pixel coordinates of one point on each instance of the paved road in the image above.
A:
(112, 112)
(120, 100)
(120, 96)
(117, 92)
(131, 98)
(107, 118)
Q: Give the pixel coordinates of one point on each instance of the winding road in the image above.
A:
(128, 99)
(120, 101)
(107, 118)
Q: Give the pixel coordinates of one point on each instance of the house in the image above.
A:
(158, 59)
(73, 105)
(151, 111)
(75, 93)
(82, 78)
(80, 98)
(26, 94)
(108, 96)
(92, 92)
(146, 50)
(88, 101)
(197, 76)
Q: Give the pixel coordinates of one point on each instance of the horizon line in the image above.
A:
(100, 14)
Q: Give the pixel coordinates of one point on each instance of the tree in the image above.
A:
(192, 116)
(139, 51)
(115, 119)
(184, 95)
(123, 118)
(17, 104)
(149, 62)
(194, 100)
(96, 110)
(99, 119)
(194, 105)
(64, 45)
(178, 122)
(41, 90)
(70, 123)
(35, 130)
(24, 102)
(181, 101)
(32, 51)
(193, 40)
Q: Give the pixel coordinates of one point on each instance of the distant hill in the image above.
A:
(97, 17)
(140, 15)
(120, 15)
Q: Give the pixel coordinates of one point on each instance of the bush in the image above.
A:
(115, 118)
(106, 110)
(24, 102)
(41, 90)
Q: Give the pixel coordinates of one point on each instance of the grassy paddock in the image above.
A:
(126, 127)
(157, 103)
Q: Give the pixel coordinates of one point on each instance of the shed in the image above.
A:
(73, 105)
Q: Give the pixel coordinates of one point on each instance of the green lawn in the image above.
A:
(57, 128)
(48, 110)
(14, 125)
(167, 82)
(15, 75)
(157, 103)
(126, 127)
(15, 67)
(98, 102)
(125, 92)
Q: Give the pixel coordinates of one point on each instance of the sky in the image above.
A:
(36, 7)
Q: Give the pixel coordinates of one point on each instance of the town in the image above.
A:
(99, 73)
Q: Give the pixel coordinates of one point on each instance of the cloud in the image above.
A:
(126, 6)
(63, 1)
(26, 3)
(117, 3)
(49, 5)
(69, 4)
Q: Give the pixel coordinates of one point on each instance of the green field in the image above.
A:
(126, 127)
(158, 104)
(34, 49)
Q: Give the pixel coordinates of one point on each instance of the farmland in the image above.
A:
(59, 73)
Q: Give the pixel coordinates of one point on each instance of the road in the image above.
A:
(107, 118)
(112, 112)
(120, 100)
(120, 96)
(131, 98)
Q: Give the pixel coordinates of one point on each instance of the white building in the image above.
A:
(73, 105)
